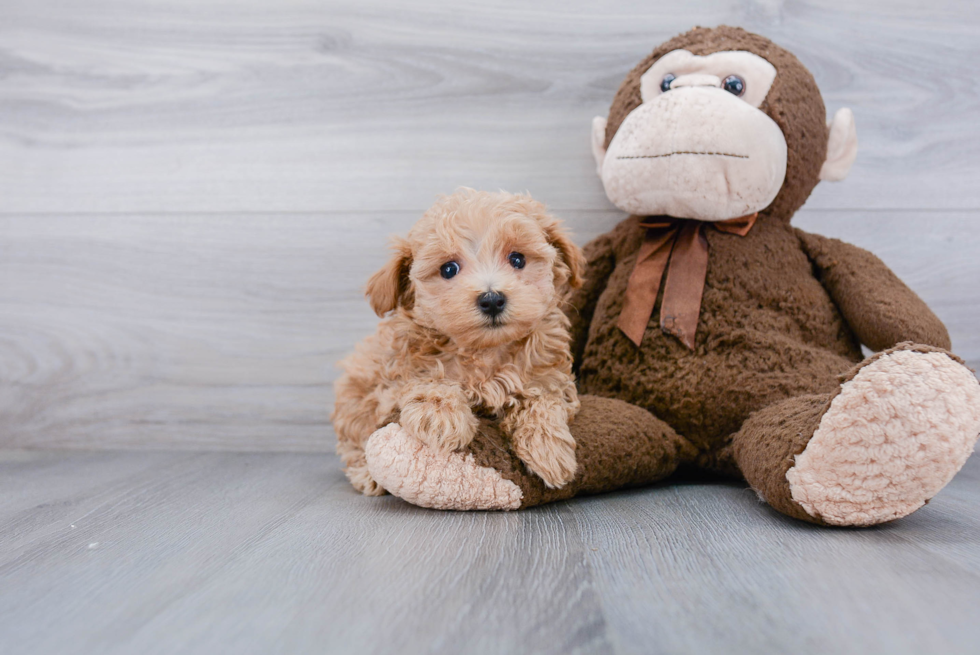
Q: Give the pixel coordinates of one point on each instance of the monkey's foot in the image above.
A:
(895, 435)
(409, 469)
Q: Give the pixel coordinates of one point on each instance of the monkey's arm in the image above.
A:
(600, 260)
(877, 305)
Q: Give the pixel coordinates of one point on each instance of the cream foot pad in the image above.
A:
(895, 435)
(406, 468)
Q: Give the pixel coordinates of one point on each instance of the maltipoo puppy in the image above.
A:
(472, 326)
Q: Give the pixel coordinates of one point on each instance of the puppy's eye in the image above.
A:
(665, 84)
(734, 85)
(449, 269)
(516, 260)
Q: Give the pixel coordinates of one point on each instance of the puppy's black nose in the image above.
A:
(491, 303)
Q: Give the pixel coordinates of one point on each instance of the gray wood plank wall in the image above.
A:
(193, 193)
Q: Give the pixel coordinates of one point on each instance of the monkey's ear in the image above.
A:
(599, 142)
(842, 146)
(390, 287)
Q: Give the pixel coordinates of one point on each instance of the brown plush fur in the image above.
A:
(768, 443)
(623, 446)
(768, 330)
(879, 311)
(436, 362)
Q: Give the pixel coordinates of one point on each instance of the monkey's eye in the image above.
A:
(516, 260)
(665, 84)
(734, 85)
(449, 269)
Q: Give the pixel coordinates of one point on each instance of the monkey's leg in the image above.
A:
(617, 445)
(896, 432)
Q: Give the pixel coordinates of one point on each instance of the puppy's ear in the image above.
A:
(390, 287)
(570, 267)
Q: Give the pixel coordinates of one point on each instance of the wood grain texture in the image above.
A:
(229, 105)
(275, 553)
(221, 332)
(193, 193)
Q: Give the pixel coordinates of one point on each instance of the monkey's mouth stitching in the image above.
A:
(684, 152)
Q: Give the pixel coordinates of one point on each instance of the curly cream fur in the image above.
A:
(436, 363)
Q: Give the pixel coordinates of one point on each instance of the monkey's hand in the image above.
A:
(539, 429)
(438, 414)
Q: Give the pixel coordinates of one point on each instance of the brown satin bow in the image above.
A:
(681, 243)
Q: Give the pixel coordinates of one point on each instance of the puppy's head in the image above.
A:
(482, 268)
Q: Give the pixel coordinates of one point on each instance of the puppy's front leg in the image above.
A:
(438, 414)
(539, 430)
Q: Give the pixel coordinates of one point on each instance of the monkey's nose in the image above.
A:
(491, 303)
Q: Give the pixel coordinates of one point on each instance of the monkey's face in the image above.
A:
(700, 143)
(698, 146)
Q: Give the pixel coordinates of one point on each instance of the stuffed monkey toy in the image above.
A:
(711, 333)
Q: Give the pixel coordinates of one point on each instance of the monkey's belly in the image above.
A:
(706, 395)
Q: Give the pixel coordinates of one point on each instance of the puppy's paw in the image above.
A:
(356, 469)
(440, 417)
(361, 479)
(549, 451)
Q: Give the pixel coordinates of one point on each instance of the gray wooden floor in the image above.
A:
(263, 552)
(192, 194)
